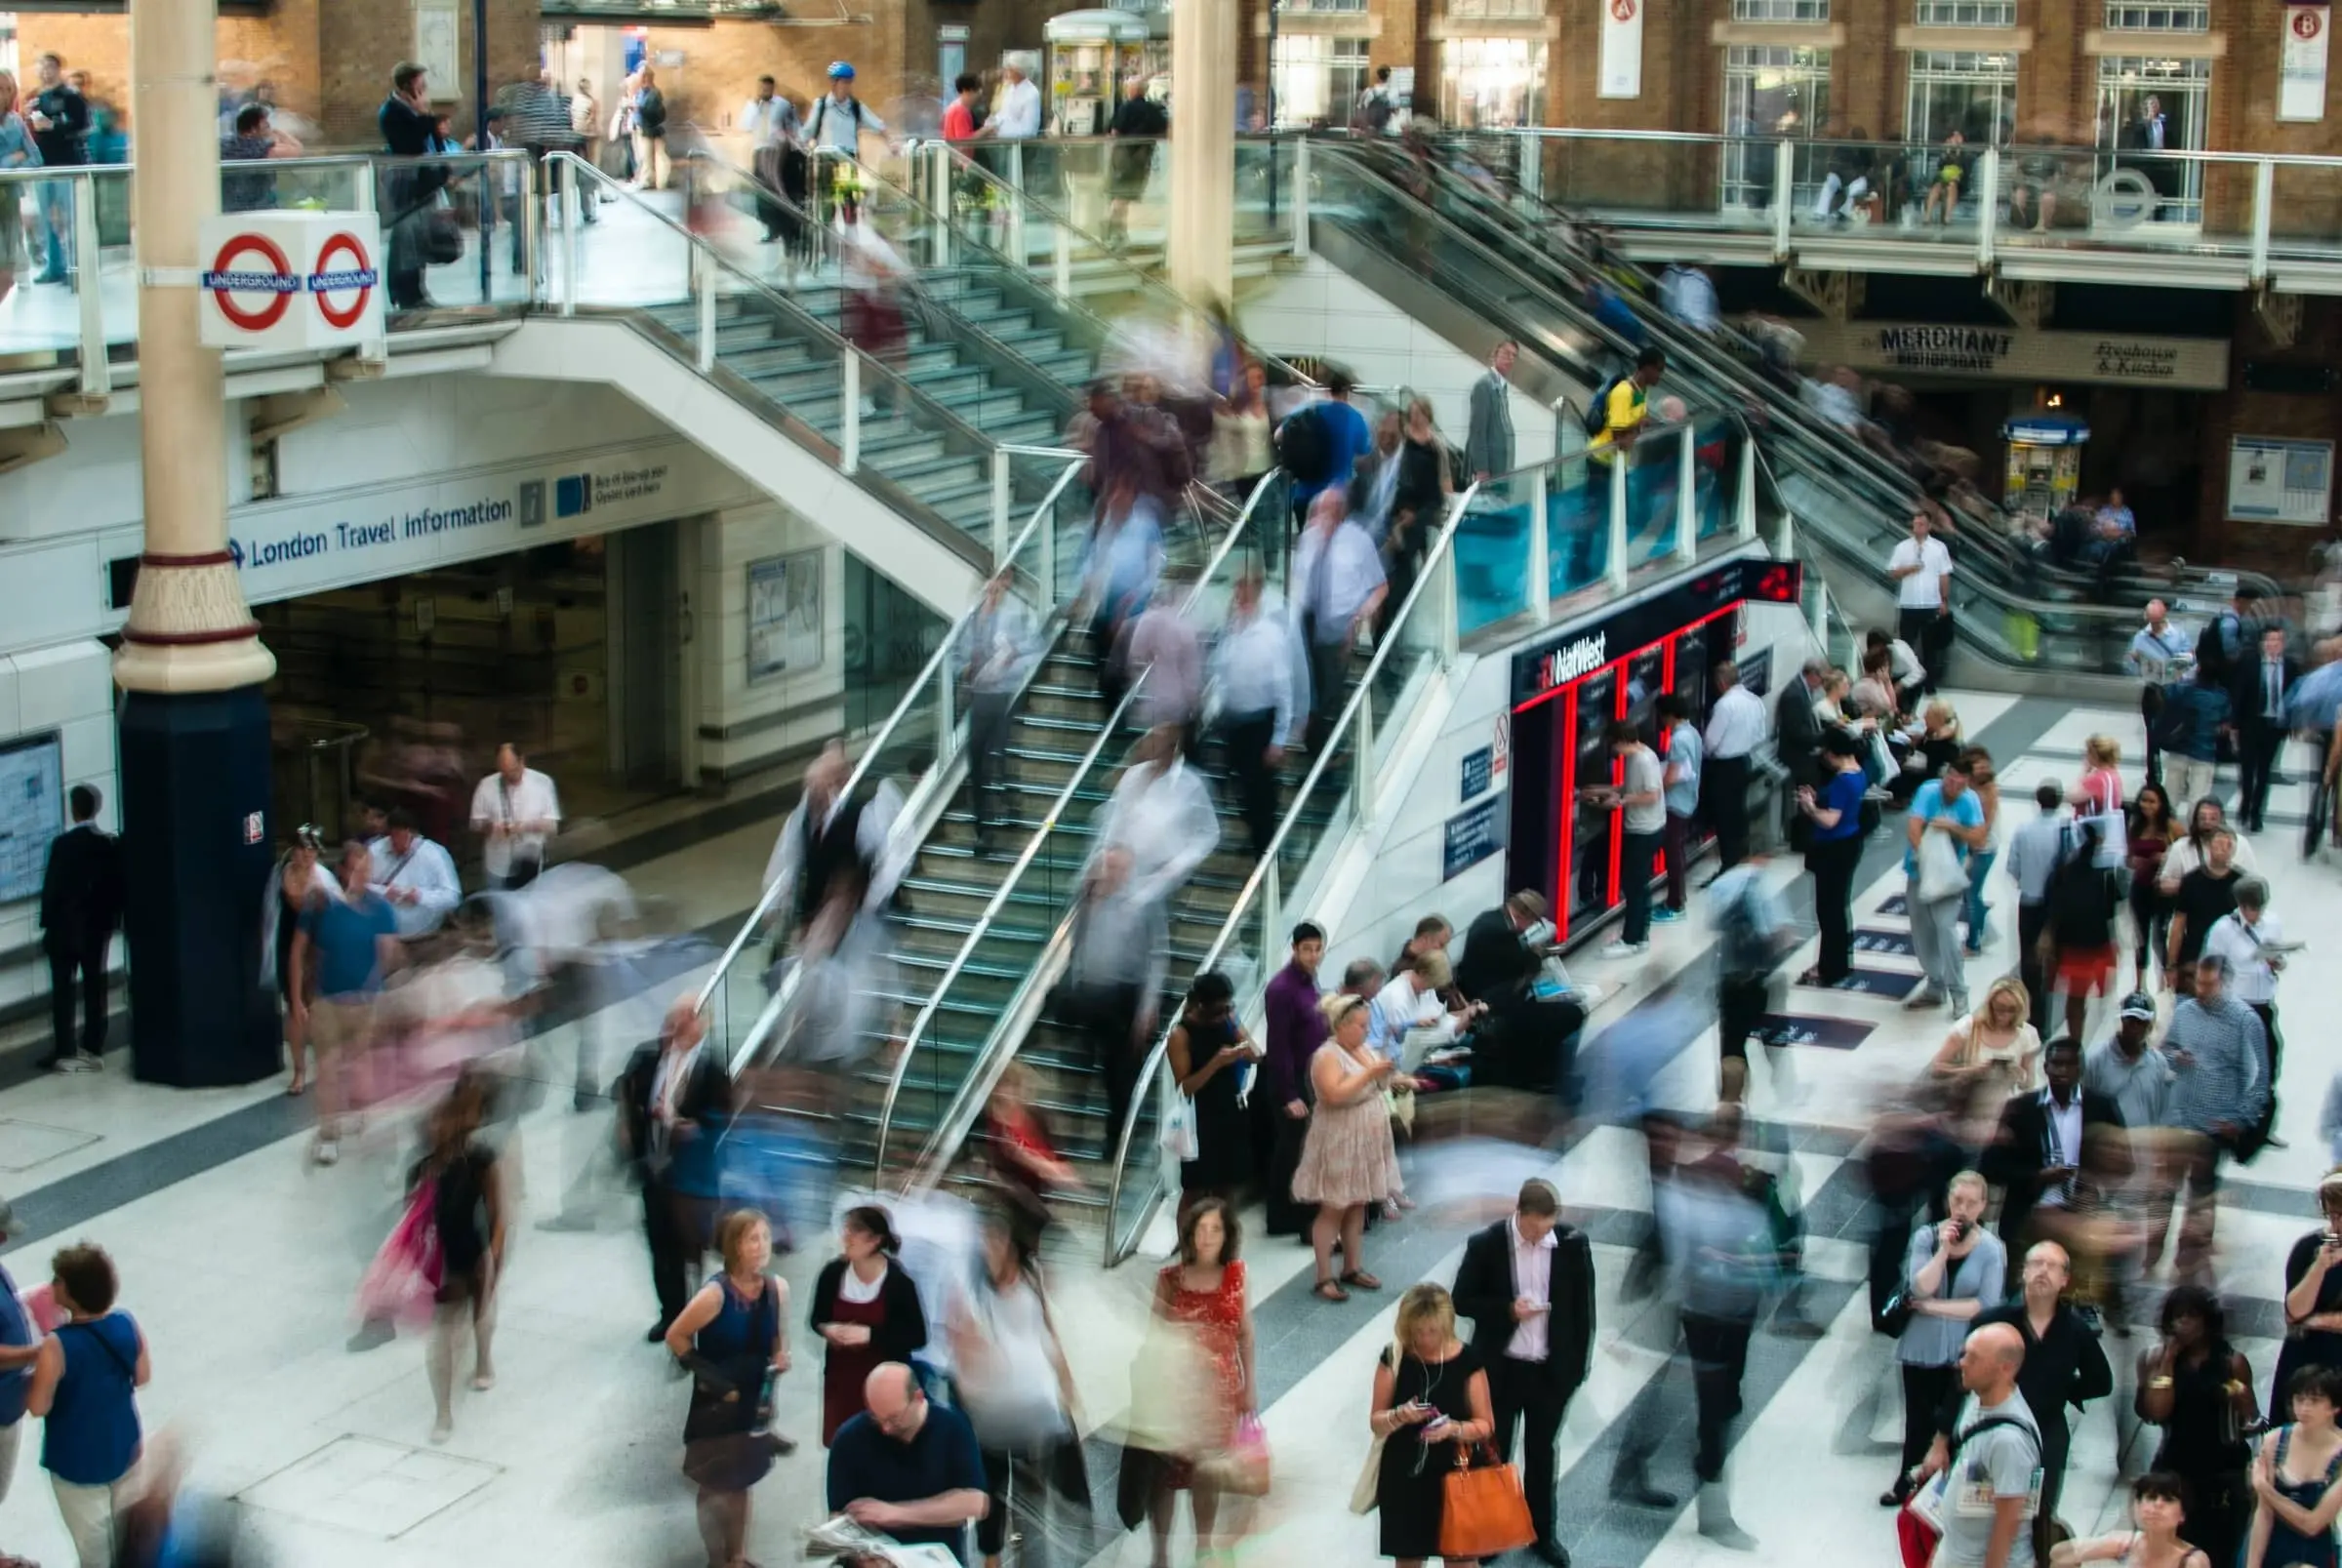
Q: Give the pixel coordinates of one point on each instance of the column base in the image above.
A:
(198, 844)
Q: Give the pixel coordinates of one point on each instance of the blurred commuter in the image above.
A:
(1339, 587)
(1242, 451)
(516, 811)
(1985, 778)
(2220, 1054)
(85, 1385)
(2253, 944)
(1348, 1159)
(906, 1468)
(1208, 1052)
(1680, 748)
(674, 1098)
(732, 1337)
(469, 1213)
(1138, 124)
(1737, 725)
(2036, 851)
(1530, 1040)
(1202, 1290)
(773, 129)
(2206, 894)
(1948, 807)
(998, 652)
(409, 191)
(2084, 900)
(2037, 1153)
(1020, 1148)
(1527, 1284)
(1122, 566)
(1293, 1027)
(1431, 1406)
(2154, 647)
(2198, 1388)
(1260, 669)
(831, 840)
(1752, 934)
(354, 939)
(1418, 507)
(2148, 829)
(59, 118)
(866, 1311)
(1120, 952)
(1951, 1271)
(1011, 1380)
(1376, 484)
(875, 275)
(1322, 451)
(83, 894)
(1161, 654)
(417, 876)
(2193, 710)
(297, 883)
(1161, 813)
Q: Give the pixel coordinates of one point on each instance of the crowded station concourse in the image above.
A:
(1154, 916)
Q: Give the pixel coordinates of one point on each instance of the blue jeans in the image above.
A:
(1980, 866)
(54, 202)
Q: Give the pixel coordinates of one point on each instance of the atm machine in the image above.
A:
(1567, 688)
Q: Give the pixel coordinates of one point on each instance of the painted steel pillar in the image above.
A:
(1203, 148)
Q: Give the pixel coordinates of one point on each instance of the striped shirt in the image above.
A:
(2227, 1079)
(537, 116)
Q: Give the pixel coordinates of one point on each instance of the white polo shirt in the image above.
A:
(1922, 589)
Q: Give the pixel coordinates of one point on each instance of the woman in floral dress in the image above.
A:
(1203, 1292)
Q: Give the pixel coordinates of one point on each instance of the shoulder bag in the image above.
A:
(1919, 1526)
(1483, 1511)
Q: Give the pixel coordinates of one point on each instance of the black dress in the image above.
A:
(1413, 1487)
(2199, 1447)
(1222, 1160)
(2306, 1347)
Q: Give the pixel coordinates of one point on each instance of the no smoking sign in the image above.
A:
(290, 280)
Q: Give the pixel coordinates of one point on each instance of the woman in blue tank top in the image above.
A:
(85, 1385)
(2298, 1478)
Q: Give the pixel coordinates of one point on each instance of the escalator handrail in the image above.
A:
(876, 372)
(1144, 1084)
(963, 160)
(1025, 859)
(930, 671)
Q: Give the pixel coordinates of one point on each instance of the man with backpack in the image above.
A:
(1995, 1454)
(1320, 443)
(1374, 111)
(2082, 907)
(2187, 731)
(834, 130)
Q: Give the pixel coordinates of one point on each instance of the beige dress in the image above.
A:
(1348, 1156)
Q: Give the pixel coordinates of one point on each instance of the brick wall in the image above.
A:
(2264, 547)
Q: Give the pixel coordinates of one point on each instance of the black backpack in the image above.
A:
(1374, 114)
(1304, 448)
(1597, 417)
(2173, 725)
(2080, 912)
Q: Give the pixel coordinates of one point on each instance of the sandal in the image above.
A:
(1362, 1279)
(1328, 1290)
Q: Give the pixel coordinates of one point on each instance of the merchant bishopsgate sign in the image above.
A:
(2196, 364)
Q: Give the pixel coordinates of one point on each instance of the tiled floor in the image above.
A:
(241, 1265)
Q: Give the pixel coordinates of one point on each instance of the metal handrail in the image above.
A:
(820, 330)
(963, 161)
(1144, 1083)
(1050, 820)
(765, 901)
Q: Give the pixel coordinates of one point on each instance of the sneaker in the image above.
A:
(1625, 949)
(1925, 997)
(1664, 916)
(327, 1152)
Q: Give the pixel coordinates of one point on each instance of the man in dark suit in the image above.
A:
(2036, 1153)
(81, 906)
(1529, 1041)
(1797, 729)
(2256, 704)
(1527, 1284)
(673, 1101)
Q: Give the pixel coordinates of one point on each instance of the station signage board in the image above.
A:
(291, 279)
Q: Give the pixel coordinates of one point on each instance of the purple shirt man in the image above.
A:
(1296, 1027)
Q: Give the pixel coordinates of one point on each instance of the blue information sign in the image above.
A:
(1479, 772)
(1472, 837)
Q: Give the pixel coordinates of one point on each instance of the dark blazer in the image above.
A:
(2013, 1162)
(1797, 734)
(1484, 1292)
(2245, 698)
(81, 890)
(905, 1327)
(1495, 964)
(706, 1103)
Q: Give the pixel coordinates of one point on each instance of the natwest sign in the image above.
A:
(290, 280)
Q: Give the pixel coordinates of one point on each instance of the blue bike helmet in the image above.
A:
(841, 71)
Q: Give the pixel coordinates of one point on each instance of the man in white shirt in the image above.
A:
(1261, 673)
(1161, 813)
(1405, 1003)
(1339, 585)
(585, 124)
(1922, 571)
(514, 811)
(768, 118)
(415, 875)
(2255, 946)
(998, 649)
(1019, 117)
(1736, 727)
(2154, 648)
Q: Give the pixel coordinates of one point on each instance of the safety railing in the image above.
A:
(1423, 635)
(922, 736)
(958, 1026)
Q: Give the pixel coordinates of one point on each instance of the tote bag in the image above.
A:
(1941, 873)
(1483, 1511)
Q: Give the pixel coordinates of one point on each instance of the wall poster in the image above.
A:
(785, 616)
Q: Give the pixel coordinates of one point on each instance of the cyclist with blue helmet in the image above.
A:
(838, 117)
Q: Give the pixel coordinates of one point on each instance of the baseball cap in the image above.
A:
(2138, 1004)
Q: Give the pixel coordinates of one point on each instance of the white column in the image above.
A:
(1203, 148)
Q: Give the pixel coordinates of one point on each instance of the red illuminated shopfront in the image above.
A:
(1568, 688)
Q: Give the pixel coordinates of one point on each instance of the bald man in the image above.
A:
(2065, 1364)
(1994, 1460)
(907, 1468)
(673, 1101)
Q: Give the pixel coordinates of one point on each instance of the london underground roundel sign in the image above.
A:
(353, 278)
(273, 280)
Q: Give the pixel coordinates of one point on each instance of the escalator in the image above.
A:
(1370, 212)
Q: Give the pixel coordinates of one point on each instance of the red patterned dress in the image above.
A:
(1217, 1319)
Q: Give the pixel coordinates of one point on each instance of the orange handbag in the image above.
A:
(1484, 1512)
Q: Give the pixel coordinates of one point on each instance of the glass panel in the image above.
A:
(1715, 474)
(1492, 553)
(2145, 106)
(1644, 181)
(2306, 209)
(1769, 92)
(453, 227)
(1654, 491)
(43, 315)
(1485, 83)
(1577, 524)
(1318, 79)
